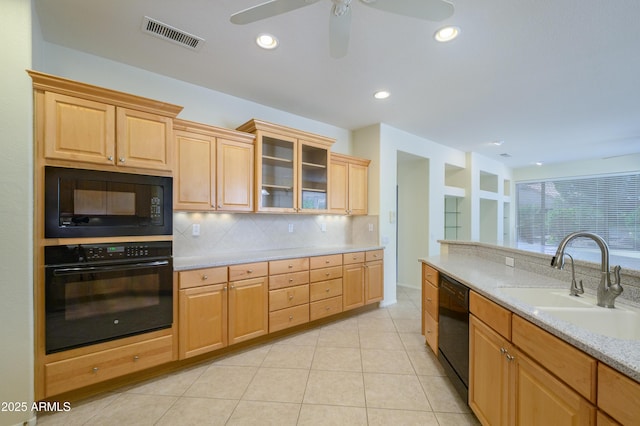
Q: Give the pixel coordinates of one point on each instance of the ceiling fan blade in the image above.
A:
(339, 29)
(431, 10)
(267, 10)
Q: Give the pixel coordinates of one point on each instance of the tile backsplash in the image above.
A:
(234, 233)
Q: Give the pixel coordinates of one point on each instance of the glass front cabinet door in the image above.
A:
(292, 171)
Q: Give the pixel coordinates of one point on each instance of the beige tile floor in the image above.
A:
(370, 369)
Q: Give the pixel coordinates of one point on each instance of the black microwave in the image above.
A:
(90, 203)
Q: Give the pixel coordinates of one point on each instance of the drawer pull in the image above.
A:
(290, 280)
(249, 271)
(204, 277)
(327, 261)
(290, 266)
(290, 317)
(135, 358)
(428, 331)
(375, 255)
(95, 370)
(291, 297)
(327, 273)
(428, 299)
(327, 290)
(328, 308)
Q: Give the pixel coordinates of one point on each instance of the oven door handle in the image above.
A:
(114, 268)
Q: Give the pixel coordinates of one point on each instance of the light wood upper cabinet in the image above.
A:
(349, 186)
(78, 129)
(214, 168)
(80, 123)
(292, 169)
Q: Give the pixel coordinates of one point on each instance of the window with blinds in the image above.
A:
(606, 205)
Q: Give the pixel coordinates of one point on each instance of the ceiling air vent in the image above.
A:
(505, 155)
(169, 33)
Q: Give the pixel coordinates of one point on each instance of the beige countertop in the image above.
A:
(185, 263)
(488, 278)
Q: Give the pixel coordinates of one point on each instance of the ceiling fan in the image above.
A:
(340, 17)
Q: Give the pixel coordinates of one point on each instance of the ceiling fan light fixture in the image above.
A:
(446, 34)
(381, 94)
(267, 41)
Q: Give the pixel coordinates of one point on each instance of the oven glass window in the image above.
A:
(120, 292)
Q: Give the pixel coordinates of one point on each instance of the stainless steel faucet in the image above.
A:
(607, 291)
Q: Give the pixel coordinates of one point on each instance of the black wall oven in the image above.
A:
(100, 292)
(87, 203)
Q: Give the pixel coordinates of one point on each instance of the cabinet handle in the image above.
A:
(122, 159)
(428, 299)
(232, 286)
(503, 351)
(110, 158)
(428, 331)
(290, 317)
(249, 271)
(205, 277)
(328, 308)
(224, 288)
(327, 261)
(327, 273)
(510, 357)
(135, 358)
(219, 206)
(95, 370)
(290, 266)
(291, 297)
(327, 290)
(375, 255)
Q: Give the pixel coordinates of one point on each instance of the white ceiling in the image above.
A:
(556, 80)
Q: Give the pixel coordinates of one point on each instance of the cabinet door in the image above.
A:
(78, 130)
(488, 374)
(194, 183)
(276, 173)
(313, 178)
(358, 187)
(203, 319)
(234, 174)
(374, 282)
(541, 399)
(143, 140)
(339, 191)
(248, 309)
(352, 286)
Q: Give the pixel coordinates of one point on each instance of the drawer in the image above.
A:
(288, 297)
(325, 289)
(85, 370)
(325, 261)
(430, 302)
(200, 277)
(288, 280)
(289, 317)
(568, 363)
(431, 333)
(356, 257)
(618, 395)
(325, 274)
(492, 314)
(430, 274)
(372, 255)
(288, 265)
(248, 270)
(325, 308)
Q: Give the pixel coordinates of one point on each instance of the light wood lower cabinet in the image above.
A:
(74, 373)
(248, 309)
(203, 319)
(363, 278)
(430, 313)
(325, 290)
(288, 293)
(506, 387)
(618, 396)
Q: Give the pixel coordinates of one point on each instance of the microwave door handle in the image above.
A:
(114, 268)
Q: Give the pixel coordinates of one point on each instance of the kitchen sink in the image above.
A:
(620, 323)
(549, 297)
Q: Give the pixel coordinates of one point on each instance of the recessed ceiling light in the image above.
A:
(539, 163)
(267, 41)
(445, 34)
(497, 143)
(381, 94)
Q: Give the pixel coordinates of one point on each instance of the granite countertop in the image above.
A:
(488, 278)
(184, 263)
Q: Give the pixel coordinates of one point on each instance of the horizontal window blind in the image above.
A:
(606, 205)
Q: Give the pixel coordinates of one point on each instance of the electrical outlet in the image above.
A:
(371, 227)
(323, 227)
(291, 227)
(195, 229)
(509, 261)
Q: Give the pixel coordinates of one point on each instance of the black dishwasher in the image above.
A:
(453, 332)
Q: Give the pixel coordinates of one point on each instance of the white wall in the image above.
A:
(200, 104)
(16, 211)
(623, 164)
